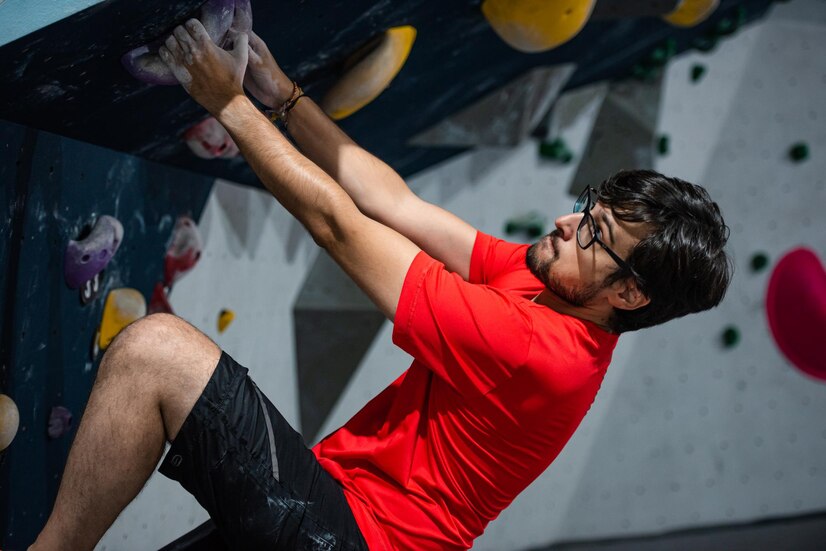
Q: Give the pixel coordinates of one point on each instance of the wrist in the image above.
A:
(283, 91)
(232, 109)
(280, 111)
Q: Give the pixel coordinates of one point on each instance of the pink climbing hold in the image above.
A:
(209, 140)
(89, 256)
(184, 251)
(796, 310)
(60, 422)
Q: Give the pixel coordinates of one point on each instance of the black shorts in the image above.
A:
(246, 466)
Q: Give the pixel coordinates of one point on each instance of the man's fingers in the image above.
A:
(197, 30)
(184, 39)
(166, 57)
(174, 48)
(175, 66)
(255, 41)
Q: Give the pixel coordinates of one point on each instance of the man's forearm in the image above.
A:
(372, 184)
(306, 191)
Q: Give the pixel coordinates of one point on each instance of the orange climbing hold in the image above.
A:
(122, 307)
(537, 25)
(691, 12)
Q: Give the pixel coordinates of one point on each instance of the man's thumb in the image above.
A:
(240, 44)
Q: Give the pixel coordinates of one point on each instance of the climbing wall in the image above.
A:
(685, 432)
(53, 191)
(698, 433)
(78, 88)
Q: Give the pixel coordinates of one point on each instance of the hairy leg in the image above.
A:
(149, 379)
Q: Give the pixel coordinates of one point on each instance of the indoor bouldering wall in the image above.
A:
(53, 191)
(67, 77)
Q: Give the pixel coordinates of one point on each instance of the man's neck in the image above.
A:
(590, 313)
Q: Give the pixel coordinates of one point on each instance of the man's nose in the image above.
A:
(568, 224)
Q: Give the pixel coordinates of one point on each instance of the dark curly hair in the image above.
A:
(681, 264)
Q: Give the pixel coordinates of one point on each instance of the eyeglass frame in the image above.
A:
(585, 209)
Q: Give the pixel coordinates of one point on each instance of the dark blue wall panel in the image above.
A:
(52, 187)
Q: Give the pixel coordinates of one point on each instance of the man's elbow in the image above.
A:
(334, 219)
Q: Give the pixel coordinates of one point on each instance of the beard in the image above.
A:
(541, 266)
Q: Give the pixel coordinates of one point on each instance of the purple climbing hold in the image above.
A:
(217, 16)
(242, 22)
(60, 422)
(88, 257)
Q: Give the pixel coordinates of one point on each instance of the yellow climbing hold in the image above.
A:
(369, 76)
(537, 25)
(691, 12)
(9, 421)
(122, 307)
(225, 317)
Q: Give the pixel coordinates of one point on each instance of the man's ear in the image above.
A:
(626, 295)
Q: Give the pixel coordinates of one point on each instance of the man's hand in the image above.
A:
(209, 74)
(264, 79)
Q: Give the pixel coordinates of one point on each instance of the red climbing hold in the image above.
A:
(184, 251)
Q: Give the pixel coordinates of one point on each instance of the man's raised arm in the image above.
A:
(378, 191)
(374, 256)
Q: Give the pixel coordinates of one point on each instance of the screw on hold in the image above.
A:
(556, 150)
(799, 152)
(697, 72)
(663, 144)
(731, 336)
(531, 223)
(759, 261)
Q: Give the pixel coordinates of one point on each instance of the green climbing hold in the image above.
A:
(799, 152)
(658, 57)
(697, 72)
(759, 261)
(531, 223)
(556, 150)
(725, 27)
(741, 16)
(731, 336)
(671, 47)
(661, 55)
(663, 144)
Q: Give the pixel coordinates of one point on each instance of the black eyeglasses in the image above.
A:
(588, 232)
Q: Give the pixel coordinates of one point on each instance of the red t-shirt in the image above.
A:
(497, 387)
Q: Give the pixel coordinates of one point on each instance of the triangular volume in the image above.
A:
(334, 324)
(329, 348)
(623, 134)
(504, 117)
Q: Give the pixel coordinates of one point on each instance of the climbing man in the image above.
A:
(510, 344)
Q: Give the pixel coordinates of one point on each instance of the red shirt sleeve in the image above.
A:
(493, 257)
(473, 336)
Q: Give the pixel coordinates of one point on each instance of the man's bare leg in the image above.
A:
(148, 381)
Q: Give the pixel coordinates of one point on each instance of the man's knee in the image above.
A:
(157, 343)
